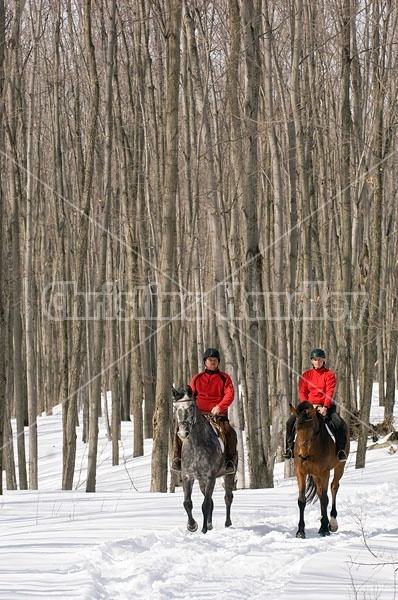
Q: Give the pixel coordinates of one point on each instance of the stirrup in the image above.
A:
(341, 455)
(230, 468)
(287, 454)
(176, 464)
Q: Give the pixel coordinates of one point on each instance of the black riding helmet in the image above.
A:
(211, 353)
(318, 353)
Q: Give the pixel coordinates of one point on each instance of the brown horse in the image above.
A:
(314, 457)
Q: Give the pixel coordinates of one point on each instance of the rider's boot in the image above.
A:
(231, 463)
(176, 462)
(288, 453)
(341, 439)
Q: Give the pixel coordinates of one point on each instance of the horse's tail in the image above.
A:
(310, 490)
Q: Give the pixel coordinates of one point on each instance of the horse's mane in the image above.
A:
(304, 406)
(305, 412)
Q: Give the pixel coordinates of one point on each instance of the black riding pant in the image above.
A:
(290, 431)
(341, 435)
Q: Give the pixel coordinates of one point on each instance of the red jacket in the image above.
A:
(212, 388)
(317, 386)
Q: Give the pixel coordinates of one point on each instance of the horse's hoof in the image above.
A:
(333, 525)
(300, 535)
(324, 532)
(192, 527)
(228, 523)
(209, 526)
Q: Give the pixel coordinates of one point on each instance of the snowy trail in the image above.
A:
(124, 542)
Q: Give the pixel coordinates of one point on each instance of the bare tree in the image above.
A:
(102, 259)
(69, 454)
(162, 416)
(3, 324)
(13, 97)
(344, 351)
(29, 287)
(284, 395)
(376, 203)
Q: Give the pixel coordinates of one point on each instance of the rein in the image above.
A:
(211, 419)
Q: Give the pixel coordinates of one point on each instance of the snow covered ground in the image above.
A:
(125, 543)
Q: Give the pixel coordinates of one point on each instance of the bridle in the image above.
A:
(308, 442)
(185, 425)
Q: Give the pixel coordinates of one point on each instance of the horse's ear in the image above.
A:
(189, 391)
(178, 394)
(293, 410)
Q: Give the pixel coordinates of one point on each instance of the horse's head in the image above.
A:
(307, 427)
(185, 410)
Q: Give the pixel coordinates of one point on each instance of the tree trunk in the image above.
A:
(30, 280)
(162, 416)
(260, 467)
(298, 83)
(3, 324)
(16, 290)
(98, 379)
(284, 394)
(375, 244)
(343, 398)
(76, 366)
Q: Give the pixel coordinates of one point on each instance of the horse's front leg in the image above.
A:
(301, 479)
(187, 486)
(322, 489)
(207, 506)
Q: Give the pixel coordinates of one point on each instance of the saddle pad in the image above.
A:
(330, 432)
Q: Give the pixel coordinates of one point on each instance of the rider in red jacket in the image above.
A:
(318, 385)
(213, 389)
(214, 393)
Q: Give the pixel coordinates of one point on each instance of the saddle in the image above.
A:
(217, 427)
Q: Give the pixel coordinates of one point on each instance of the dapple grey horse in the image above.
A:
(202, 459)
